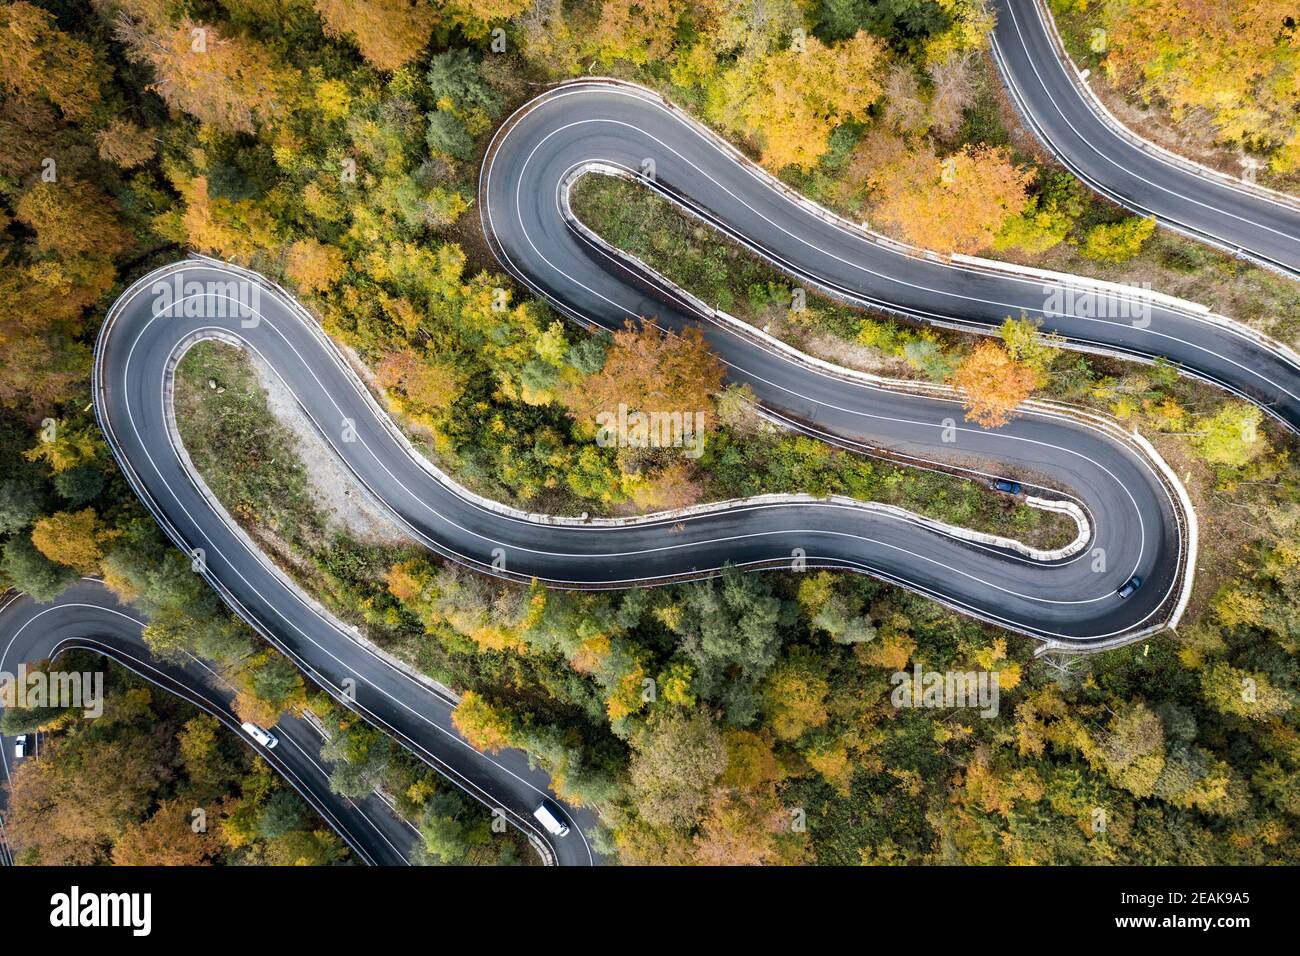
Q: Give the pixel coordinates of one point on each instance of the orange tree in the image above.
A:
(992, 384)
(650, 371)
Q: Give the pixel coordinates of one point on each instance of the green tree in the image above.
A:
(445, 834)
(675, 761)
(457, 85)
(305, 848)
(210, 765)
(283, 811)
(1117, 242)
(1133, 749)
(1028, 346)
(28, 570)
(1048, 218)
(19, 504)
(447, 136)
(730, 630)
(80, 484)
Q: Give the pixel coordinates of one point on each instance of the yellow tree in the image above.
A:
(800, 94)
(72, 217)
(427, 384)
(1025, 344)
(474, 15)
(650, 372)
(953, 204)
(640, 31)
(63, 446)
(40, 311)
(64, 816)
(227, 82)
(676, 485)
(74, 538)
(1233, 62)
(992, 384)
(125, 144)
(1232, 436)
(228, 228)
(794, 697)
(389, 33)
(313, 266)
(485, 727)
(746, 829)
(36, 57)
(166, 839)
(39, 368)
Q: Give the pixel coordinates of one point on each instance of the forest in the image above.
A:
(334, 145)
(153, 781)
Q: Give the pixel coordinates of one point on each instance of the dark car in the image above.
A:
(1007, 485)
(1129, 586)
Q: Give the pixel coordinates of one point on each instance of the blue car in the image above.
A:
(1006, 485)
(1129, 586)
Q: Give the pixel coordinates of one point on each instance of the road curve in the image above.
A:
(1138, 519)
(1114, 161)
(1132, 515)
(1138, 515)
(612, 127)
(135, 360)
(88, 617)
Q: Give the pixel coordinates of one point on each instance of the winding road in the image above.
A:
(1204, 204)
(1135, 518)
(87, 617)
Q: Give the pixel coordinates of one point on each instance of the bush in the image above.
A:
(1117, 242)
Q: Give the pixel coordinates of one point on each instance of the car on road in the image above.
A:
(20, 746)
(549, 816)
(263, 737)
(1007, 485)
(1128, 587)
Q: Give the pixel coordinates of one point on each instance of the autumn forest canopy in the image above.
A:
(334, 145)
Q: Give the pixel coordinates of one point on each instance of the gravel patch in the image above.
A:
(340, 498)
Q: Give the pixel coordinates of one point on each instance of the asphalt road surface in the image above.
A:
(610, 127)
(1109, 159)
(1132, 512)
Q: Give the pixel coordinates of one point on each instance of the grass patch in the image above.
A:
(247, 457)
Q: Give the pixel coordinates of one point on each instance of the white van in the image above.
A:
(20, 746)
(549, 816)
(263, 737)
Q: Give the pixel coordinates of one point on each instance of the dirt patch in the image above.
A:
(861, 358)
(341, 500)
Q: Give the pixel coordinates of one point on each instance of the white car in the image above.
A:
(20, 746)
(549, 816)
(263, 737)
